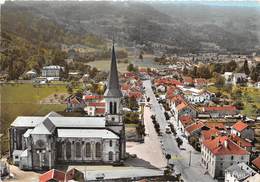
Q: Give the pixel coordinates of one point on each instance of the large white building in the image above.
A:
(44, 142)
(220, 153)
(239, 172)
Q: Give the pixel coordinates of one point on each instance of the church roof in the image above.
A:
(113, 88)
(86, 133)
(47, 124)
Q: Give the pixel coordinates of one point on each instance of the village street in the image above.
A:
(180, 157)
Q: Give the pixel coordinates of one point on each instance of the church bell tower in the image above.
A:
(113, 98)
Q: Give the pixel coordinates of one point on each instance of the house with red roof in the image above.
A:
(200, 82)
(243, 130)
(244, 143)
(184, 109)
(195, 129)
(187, 81)
(256, 163)
(220, 153)
(74, 175)
(74, 103)
(95, 108)
(219, 111)
(52, 175)
(209, 134)
(185, 121)
(92, 98)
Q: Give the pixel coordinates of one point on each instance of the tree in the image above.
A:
(254, 74)
(131, 68)
(220, 81)
(179, 142)
(185, 71)
(246, 69)
(168, 157)
(231, 66)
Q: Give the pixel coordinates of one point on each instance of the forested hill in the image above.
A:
(33, 31)
(30, 40)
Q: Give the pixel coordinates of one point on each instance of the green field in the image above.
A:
(23, 100)
(250, 98)
(104, 65)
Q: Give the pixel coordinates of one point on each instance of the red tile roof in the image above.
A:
(185, 119)
(240, 126)
(90, 97)
(100, 111)
(215, 125)
(136, 95)
(240, 141)
(169, 82)
(222, 145)
(125, 87)
(187, 79)
(97, 104)
(256, 162)
(219, 108)
(194, 127)
(52, 174)
(207, 134)
(200, 81)
(181, 106)
(74, 174)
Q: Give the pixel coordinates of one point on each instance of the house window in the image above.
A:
(242, 157)
(98, 150)
(232, 157)
(78, 149)
(88, 150)
(110, 156)
(110, 143)
(68, 150)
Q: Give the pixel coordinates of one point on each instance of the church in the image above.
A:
(39, 143)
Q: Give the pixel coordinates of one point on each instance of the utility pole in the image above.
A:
(190, 159)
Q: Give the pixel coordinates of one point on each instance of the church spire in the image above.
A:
(113, 88)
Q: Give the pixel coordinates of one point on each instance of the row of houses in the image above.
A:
(224, 141)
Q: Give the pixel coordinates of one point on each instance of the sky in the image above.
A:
(237, 3)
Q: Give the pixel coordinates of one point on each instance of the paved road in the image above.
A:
(180, 157)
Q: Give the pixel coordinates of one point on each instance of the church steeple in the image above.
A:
(113, 88)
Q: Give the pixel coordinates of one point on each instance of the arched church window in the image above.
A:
(98, 150)
(68, 150)
(110, 156)
(115, 107)
(110, 108)
(88, 150)
(78, 149)
(59, 149)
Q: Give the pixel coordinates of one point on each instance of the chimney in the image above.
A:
(225, 143)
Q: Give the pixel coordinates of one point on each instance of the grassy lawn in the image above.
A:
(104, 65)
(250, 98)
(23, 100)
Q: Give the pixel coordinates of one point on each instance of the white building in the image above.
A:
(238, 172)
(220, 153)
(52, 72)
